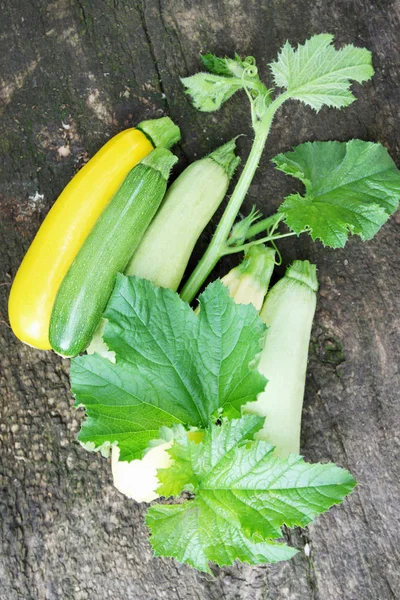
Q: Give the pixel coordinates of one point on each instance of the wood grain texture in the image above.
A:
(74, 73)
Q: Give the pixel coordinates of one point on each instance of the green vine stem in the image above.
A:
(218, 246)
(263, 225)
(264, 240)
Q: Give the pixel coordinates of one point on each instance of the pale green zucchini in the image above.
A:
(188, 206)
(288, 312)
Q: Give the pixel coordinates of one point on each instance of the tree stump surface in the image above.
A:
(76, 72)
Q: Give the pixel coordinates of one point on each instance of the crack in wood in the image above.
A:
(142, 12)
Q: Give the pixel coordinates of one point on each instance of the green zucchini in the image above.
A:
(85, 290)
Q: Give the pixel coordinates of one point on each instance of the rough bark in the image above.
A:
(77, 71)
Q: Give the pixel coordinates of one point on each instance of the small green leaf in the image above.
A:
(350, 187)
(223, 66)
(243, 496)
(208, 91)
(319, 75)
(172, 366)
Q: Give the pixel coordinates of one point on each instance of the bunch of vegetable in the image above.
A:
(208, 401)
(71, 220)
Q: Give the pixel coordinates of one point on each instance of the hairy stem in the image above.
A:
(218, 247)
(261, 226)
(264, 240)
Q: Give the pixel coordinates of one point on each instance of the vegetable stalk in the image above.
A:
(218, 246)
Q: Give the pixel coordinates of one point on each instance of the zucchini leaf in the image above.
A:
(172, 365)
(210, 90)
(243, 494)
(319, 75)
(351, 187)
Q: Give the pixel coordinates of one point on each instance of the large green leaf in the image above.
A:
(350, 187)
(243, 495)
(172, 366)
(319, 75)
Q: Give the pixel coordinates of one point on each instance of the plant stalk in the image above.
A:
(263, 225)
(217, 246)
(264, 240)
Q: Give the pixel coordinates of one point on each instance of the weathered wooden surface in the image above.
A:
(77, 71)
